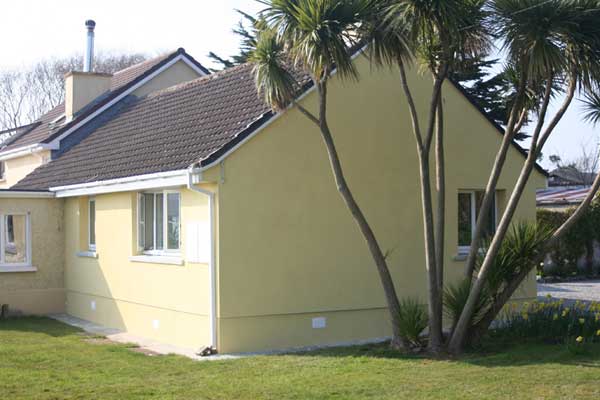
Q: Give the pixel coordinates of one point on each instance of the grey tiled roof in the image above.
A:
(44, 132)
(164, 131)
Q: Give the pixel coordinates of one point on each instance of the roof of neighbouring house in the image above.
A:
(561, 196)
(50, 125)
(196, 122)
(570, 176)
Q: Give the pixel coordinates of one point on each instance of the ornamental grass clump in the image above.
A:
(412, 320)
(576, 325)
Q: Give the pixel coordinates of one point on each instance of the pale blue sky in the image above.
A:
(33, 29)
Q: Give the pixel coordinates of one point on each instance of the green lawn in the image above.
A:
(44, 359)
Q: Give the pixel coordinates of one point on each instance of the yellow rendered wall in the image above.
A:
(18, 168)
(288, 247)
(42, 291)
(132, 295)
(178, 73)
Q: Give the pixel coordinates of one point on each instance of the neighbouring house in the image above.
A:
(570, 177)
(567, 188)
(190, 213)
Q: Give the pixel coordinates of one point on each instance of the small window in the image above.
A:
(2, 171)
(92, 224)
(159, 222)
(469, 205)
(15, 246)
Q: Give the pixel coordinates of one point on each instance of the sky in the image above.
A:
(35, 29)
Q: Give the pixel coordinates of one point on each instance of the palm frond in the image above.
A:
(273, 80)
(591, 107)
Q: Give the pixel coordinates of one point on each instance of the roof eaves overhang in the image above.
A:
(25, 194)
(26, 150)
(130, 183)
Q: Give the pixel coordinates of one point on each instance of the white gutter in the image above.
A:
(211, 265)
(130, 183)
(16, 194)
(26, 150)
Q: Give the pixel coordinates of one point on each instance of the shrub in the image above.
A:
(455, 298)
(578, 241)
(413, 320)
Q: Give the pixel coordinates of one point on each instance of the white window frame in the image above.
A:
(141, 220)
(91, 246)
(473, 194)
(4, 231)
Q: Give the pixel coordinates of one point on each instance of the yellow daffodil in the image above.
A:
(555, 317)
(598, 332)
(579, 339)
(582, 321)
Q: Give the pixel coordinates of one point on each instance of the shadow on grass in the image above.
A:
(490, 355)
(41, 325)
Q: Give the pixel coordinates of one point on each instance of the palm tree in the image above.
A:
(313, 38)
(556, 43)
(438, 34)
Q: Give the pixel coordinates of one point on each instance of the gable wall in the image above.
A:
(178, 73)
(289, 250)
(19, 168)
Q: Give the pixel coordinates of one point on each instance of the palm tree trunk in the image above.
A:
(440, 176)
(348, 198)
(514, 119)
(462, 328)
(423, 149)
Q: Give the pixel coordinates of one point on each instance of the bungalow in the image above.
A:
(181, 208)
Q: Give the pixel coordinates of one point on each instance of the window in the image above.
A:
(92, 224)
(2, 171)
(15, 243)
(469, 205)
(159, 222)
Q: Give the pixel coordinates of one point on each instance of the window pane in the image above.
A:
(464, 219)
(173, 220)
(490, 221)
(159, 222)
(15, 245)
(92, 223)
(149, 221)
(141, 221)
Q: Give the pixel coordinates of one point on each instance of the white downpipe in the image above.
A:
(211, 265)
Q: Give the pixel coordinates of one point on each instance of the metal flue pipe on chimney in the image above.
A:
(88, 59)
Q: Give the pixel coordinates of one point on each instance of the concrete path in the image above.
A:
(118, 336)
(581, 290)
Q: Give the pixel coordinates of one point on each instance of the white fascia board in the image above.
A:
(26, 150)
(16, 194)
(179, 57)
(130, 183)
(193, 66)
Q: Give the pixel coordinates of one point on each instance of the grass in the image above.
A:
(44, 359)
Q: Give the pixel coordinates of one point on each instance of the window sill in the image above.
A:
(6, 268)
(460, 257)
(87, 254)
(171, 260)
